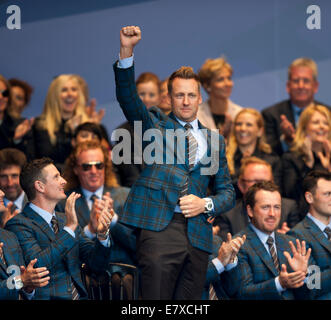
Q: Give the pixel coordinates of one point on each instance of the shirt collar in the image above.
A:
(262, 235)
(320, 224)
(18, 202)
(87, 194)
(47, 216)
(193, 123)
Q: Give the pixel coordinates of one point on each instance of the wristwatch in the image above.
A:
(209, 206)
(18, 283)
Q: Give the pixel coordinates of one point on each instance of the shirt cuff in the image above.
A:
(72, 233)
(278, 286)
(125, 63)
(218, 265)
(27, 295)
(105, 243)
(232, 265)
(88, 233)
(113, 220)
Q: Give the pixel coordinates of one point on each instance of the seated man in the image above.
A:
(11, 163)
(89, 172)
(24, 280)
(235, 220)
(55, 239)
(266, 269)
(315, 228)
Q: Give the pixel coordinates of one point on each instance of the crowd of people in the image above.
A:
(253, 229)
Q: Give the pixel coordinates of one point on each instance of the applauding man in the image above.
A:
(55, 238)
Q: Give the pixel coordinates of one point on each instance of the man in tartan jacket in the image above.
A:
(313, 228)
(55, 239)
(267, 271)
(175, 236)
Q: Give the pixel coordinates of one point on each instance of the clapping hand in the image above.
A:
(230, 248)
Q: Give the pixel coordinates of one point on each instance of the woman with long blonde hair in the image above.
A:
(64, 110)
(311, 149)
(247, 139)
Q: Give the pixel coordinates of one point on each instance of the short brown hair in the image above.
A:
(310, 181)
(31, 172)
(183, 73)
(11, 157)
(148, 77)
(249, 197)
(245, 162)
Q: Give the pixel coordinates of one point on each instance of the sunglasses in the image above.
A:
(88, 166)
(5, 93)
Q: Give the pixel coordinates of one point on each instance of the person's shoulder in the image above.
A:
(276, 108)
(6, 235)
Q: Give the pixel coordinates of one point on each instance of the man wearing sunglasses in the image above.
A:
(89, 172)
(254, 170)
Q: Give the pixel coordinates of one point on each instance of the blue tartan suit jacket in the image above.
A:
(13, 256)
(124, 239)
(321, 252)
(61, 254)
(153, 197)
(258, 272)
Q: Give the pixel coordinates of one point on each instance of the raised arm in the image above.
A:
(129, 37)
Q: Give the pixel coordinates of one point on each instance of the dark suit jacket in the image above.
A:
(258, 272)
(13, 256)
(124, 239)
(272, 121)
(225, 285)
(321, 251)
(61, 254)
(236, 219)
(154, 195)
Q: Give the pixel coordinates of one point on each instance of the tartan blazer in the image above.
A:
(61, 253)
(321, 251)
(13, 256)
(257, 271)
(124, 239)
(153, 197)
(226, 283)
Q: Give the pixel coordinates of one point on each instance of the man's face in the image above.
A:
(185, 99)
(10, 182)
(254, 173)
(266, 213)
(301, 86)
(320, 200)
(53, 184)
(90, 169)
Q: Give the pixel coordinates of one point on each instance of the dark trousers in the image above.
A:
(170, 267)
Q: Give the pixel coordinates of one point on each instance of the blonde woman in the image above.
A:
(247, 139)
(64, 110)
(218, 111)
(311, 149)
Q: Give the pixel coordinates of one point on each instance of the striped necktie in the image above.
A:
(270, 243)
(191, 152)
(327, 230)
(212, 293)
(55, 226)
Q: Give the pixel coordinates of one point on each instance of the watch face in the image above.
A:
(18, 283)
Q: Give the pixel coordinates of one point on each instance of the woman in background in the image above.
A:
(218, 111)
(247, 139)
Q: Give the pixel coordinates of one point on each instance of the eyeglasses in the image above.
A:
(5, 93)
(88, 166)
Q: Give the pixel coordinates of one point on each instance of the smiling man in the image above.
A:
(169, 203)
(267, 271)
(281, 118)
(54, 238)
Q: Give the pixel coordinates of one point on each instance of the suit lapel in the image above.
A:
(261, 251)
(38, 221)
(83, 210)
(316, 232)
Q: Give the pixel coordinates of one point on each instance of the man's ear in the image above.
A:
(39, 186)
(249, 211)
(309, 197)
